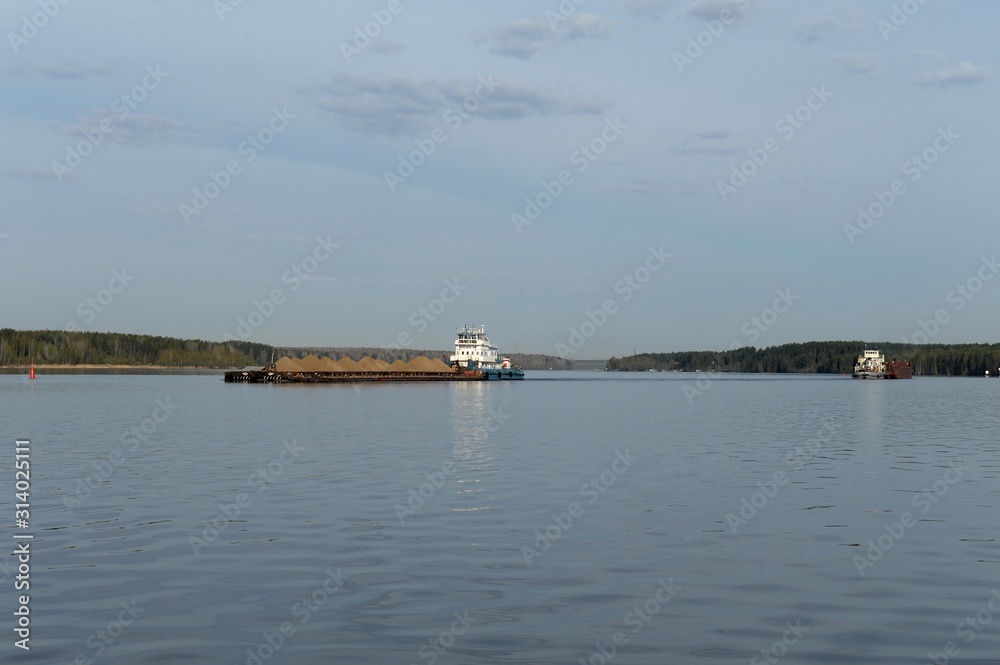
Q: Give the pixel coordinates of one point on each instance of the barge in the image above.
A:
(871, 364)
(475, 359)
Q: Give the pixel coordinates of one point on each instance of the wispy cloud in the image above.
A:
(840, 17)
(528, 37)
(965, 73)
(62, 73)
(28, 172)
(710, 142)
(133, 128)
(650, 8)
(387, 47)
(861, 63)
(399, 104)
(707, 10)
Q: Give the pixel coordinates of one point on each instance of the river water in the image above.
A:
(574, 517)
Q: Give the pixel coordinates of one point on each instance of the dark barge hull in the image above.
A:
(899, 369)
(268, 376)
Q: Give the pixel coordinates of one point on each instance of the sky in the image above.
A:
(585, 178)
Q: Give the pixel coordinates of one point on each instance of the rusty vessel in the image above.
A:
(871, 364)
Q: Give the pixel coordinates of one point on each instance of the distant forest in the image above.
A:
(19, 348)
(821, 358)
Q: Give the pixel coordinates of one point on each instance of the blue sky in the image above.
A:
(585, 177)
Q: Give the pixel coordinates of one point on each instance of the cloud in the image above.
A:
(62, 73)
(134, 128)
(965, 73)
(668, 187)
(651, 8)
(840, 17)
(401, 104)
(527, 37)
(28, 172)
(387, 47)
(708, 10)
(711, 142)
(860, 63)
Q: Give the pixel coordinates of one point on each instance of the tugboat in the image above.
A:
(871, 364)
(474, 352)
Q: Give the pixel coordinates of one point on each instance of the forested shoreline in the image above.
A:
(821, 358)
(20, 348)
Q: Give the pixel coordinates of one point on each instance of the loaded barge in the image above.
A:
(475, 359)
(871, 364)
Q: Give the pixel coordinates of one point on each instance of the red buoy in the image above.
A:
(32, 374)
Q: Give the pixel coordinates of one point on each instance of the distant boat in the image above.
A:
(473, 352)
(871, 364)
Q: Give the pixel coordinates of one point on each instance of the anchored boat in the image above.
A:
(871, 364)
(475, 359)
(473, 352)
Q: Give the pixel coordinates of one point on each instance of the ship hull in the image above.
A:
(267, 376)
(898, 369)
(868, 375)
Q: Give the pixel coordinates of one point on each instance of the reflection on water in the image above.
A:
(321, 547)
(474, 420)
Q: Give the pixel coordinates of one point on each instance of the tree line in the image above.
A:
(821, 358)
(55, 347)
(19, 348)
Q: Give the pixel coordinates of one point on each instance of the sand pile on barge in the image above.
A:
(287, 365)
(348, 365)
(312, 364)
(331, 365)
(441, 366)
